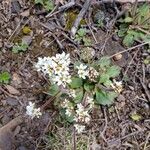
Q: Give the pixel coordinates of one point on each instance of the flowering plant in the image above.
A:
(80, 86)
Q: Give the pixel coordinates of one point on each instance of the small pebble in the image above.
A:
(131, 88)
(27, 40)
(117, 57)
(146, 106)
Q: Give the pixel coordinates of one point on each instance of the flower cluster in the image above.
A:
(117, 86)
(56, 67)
(68, 106)
(93, 74)
(79, 128)
(90, 102)
(78, 94)
(82, 71)
(82, 114)
(32, 111)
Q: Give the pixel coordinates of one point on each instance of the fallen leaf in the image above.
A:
(12, 90)
(136, 117)
(16, 78)
(26, 13)
(26, 30)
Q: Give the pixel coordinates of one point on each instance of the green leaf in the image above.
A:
(88, 87)
(87, 41)
(122, 32)
(105, 98)
(104, 61)
(19, 47)
(124, 26)
(146, 38)
(79, 96)
(128, 19)
(77, 63)
(128, 40)
(144, 10)
(82, 32)
(24, 46)
(108, 83)
(15, 48)
(113, 71)
(146, 61)
(70, 119)
(54, 89)
(39, 2)
(76, 82)
(112, 95)
(104, 78)
(49, 5)
(4, 77)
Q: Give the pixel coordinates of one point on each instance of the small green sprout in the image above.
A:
(48, 4)
(81, 37)
(135, 26)
(22, 47)
(4, 77)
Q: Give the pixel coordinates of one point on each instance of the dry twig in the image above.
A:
(79, 17)
(131, 48)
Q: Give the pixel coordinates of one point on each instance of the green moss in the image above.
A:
(71, 17)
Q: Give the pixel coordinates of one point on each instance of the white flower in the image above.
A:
(32, 111)
(56, 67)
(68, 112)
(72, 93)
(79, 128)
(65, 103)
(66, 79)
(89, 100)
(82, 71)
(37, 112)
(62, 58)
(118, 83)
(87, 119)
(57, 80)
(80, 107)
(82, 114)
(30, 108)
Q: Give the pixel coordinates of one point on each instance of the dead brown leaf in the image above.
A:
(12, 90)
